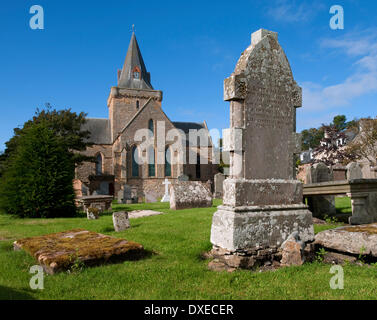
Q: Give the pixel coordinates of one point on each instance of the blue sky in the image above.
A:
(189, 48)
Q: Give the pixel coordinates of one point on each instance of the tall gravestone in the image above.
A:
(262, 202)
(219, 181)
(321, 206)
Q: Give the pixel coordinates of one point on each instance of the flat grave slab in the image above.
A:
(143, 213)
(361, 239)
(59, 251)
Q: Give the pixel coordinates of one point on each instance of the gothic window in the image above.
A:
(151, 162)
(150, 126)
(99, 164)
(135, 159)
(167, 162)
(197, 166)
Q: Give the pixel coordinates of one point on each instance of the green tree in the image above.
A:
(37, 180)
(311, 138)
(65, 124)
(340, 122)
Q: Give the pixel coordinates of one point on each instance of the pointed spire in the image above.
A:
(134, 74)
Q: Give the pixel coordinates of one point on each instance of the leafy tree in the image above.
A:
(37, 180)
(331, 149)
(65, 124)
(311, 138)
(340, 122)
(364, 146)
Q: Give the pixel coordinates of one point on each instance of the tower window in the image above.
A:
(137, 104)
(136, 75)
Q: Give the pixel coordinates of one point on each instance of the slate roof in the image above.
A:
(134, 59)
(99, 129)
(186, 126)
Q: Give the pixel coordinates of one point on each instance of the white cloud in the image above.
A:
(293, 11)
(363, 80)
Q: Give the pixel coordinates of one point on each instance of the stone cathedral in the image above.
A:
(133, 105)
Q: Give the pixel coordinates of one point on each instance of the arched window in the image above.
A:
(167, 162)
(137, 104)
(99, 164)
(135, 161)
(197, 166)
(151, 162)
(151, 126)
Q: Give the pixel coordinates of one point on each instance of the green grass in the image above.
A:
(343, 204)
(174, 271)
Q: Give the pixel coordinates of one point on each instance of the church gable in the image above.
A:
(151, 112)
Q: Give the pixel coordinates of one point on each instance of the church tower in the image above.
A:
(133, 91)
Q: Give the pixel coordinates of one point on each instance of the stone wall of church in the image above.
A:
(87, 169)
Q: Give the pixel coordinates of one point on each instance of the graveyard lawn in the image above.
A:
(175, 269)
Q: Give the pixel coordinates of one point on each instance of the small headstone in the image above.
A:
(121, 221)
(92, 213)
(120, 196)
(189, 194)
(321, 205)
(150, 197)
(219, 180)
(166, 197)
(354, 171)
(183, 177)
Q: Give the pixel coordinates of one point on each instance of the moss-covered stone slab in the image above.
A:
(60, 251)
(361, 239)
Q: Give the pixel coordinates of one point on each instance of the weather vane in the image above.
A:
(133, 28)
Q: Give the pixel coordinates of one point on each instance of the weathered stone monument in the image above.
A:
(166, 197)
(150, 197)
(320, 206)
(121, 221)
(219, 181)
(354, 171)
(124, 194)
(262, 202)
(183, 177)
(189, 194)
